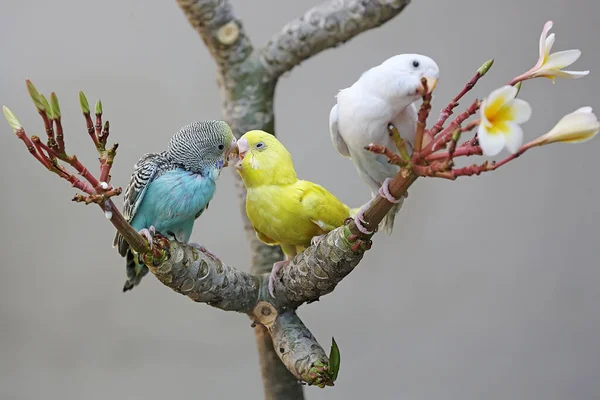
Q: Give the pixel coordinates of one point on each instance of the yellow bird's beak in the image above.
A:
(242, 148)
(431, 84)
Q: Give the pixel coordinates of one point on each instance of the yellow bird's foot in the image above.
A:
(276, 267)
(316, 240)
(384, 191)
(204, 250)
(148, 234)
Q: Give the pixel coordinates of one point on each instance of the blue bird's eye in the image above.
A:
(221, 147)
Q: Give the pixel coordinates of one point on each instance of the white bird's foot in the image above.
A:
(384, 191)
(359, 219)
(203, 249)
(316, 240)
(276, 267)
(148, 234)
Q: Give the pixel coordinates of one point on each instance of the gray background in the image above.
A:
(488, 287)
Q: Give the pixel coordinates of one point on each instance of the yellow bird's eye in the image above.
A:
(259, 145)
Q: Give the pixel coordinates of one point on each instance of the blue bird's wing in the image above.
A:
(144, 171)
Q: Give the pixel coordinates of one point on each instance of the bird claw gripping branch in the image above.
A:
(159, 252)
(357, 243)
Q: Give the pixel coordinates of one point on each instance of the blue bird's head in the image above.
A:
(203, 146)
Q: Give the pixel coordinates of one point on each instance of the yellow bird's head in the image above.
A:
(264, 160)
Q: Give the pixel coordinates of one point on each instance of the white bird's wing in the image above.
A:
(334, 131)
(406, 123)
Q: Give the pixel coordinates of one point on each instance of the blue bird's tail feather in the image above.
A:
(135, 271)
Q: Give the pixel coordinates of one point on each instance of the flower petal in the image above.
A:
(491, 144)
(571, 74)
(497, 99)
(521, 111)
(562, 59)
(548, 45)
(580, 137)
(514, 138)
(547, 27)
(584, 109)
(579, 126)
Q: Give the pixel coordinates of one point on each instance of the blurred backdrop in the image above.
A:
(495, 278)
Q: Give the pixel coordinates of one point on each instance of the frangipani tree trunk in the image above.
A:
(289, 353)
(247, 77)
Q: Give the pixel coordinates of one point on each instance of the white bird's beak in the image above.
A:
(431, 84)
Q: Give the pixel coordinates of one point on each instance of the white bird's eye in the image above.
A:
(260, 145)
(221, 147)
(415, 64)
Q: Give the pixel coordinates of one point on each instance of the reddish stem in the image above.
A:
(522, 150)
(473, 169)
(461, 151)
(49, 160)
(49, 132)
(72, 161)
(106, 160)
(472, 125)
(97, 198)
(90, 128)
(104, 135)
(79, 184)
(32, 149)
(446, 135)
(59, 136)
(432, 169)
(105, 173)
(99, 130)
(452, 147)
(393, 158)
(447, 111)
(41, 146)
(83, 171)
(486, 167)
(422, 120)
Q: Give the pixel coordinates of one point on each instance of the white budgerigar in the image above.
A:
(383, 95)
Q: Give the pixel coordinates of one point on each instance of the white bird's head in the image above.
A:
(398, 79)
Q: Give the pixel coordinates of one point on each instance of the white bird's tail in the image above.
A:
(387, 223)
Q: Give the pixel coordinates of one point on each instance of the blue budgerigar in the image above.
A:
(170, 189)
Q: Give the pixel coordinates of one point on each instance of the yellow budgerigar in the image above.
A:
(283, 209)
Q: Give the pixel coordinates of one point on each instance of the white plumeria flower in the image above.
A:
(550, 65)
(579, 126)
(501, 115)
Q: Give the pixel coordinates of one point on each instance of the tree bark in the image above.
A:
(247, 79)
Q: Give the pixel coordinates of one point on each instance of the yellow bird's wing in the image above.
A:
(265, 239)
(322, 207)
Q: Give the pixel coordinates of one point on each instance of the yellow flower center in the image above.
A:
(498, 113)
